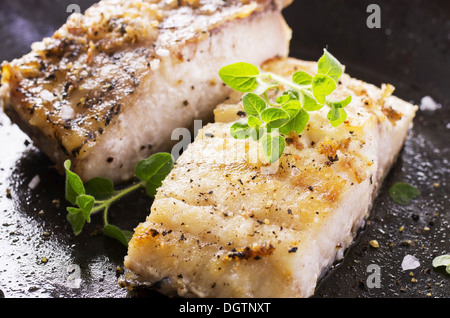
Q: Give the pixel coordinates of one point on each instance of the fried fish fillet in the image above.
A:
(110, 86)
(225, 223)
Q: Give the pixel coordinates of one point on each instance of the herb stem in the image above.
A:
(266, 98)
(284, 81)
(104, 205)
(105, 215)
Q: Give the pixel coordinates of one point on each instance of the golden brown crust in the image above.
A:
(73, 85)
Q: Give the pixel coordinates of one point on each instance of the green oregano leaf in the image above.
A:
(299, 118)
(310, 104)
(334, 114)
(257, 133)
(254, 122)
(77, 219)
(240, 130)
(263, 87)
(337, 116)
(100, 188)
(157, 164)
(121, 235)
(442, 260)
(292, 108)
(154, 170)
(283, 99)
(274, 117)
(302, 78)
(402, 193)
(86, 203)
(293, 94)
(253, 104)
(273, 147)
(322, 86)
(74, 185)
(330, 66)
(240, 76)
(340, 104)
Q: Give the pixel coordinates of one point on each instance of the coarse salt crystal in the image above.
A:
(162, 52)
(67, 112)
(46, 95)
(34, 182)
(428, 103)
(155, 64)
(410, 262)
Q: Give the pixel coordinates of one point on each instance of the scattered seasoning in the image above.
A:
(44, 260)
(56, 202)
(406, 243)
(209, 135)
(255, 252)
(293, 250)
(119, 270)
(333, 159)
(269, 204)
(374, 243)
(46, 236)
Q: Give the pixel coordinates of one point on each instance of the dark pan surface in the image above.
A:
(410, 51)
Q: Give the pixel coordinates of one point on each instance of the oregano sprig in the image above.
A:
(98, 194)
(273, 122)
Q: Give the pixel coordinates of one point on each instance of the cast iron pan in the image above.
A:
(411, 51)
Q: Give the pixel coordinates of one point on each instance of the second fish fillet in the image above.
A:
(110, 86)
(226, 223)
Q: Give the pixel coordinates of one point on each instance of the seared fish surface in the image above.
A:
(226, 223)
(110, 86)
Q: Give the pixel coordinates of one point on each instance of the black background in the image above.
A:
(410, 51)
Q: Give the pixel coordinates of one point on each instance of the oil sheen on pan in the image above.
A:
(39, 256)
